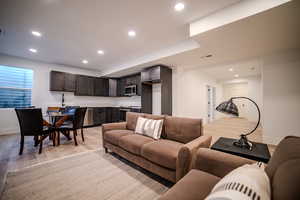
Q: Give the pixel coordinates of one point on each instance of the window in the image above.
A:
(15, 87)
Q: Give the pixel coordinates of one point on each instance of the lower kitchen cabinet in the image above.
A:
(99, 116)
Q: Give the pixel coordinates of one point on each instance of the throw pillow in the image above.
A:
(139, 129)
(249, 182)
(149, 127)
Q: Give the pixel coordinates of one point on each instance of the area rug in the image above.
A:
(88, 176)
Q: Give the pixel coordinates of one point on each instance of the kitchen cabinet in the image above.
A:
(112, 114)
(99, 115)
(61, 81)
(121, 87)
(57, 81)
(157, 74)
(115, 114)
(70, 82)
(152, 74)
(84, 86)
(101, 87)
(129, 80)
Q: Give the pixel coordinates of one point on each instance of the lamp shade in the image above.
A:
(228, 107)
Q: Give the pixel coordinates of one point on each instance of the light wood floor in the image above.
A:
(11, 161)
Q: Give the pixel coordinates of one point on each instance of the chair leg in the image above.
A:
(36, 141)
(54, 138)
(21, 145)
(82, 135)
(58, 138)
(41, 145)
(74, 135)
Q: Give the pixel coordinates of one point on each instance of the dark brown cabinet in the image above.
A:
(70, 82)
(84, 86)
(99, 116)
(157, 74)
(112, 114)
(101, 87)
(121, 87)
(61, 81)
(152, 75)
(129, 80)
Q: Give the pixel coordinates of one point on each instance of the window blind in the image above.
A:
(15, 87)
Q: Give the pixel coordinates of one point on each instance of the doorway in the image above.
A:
(211, 103)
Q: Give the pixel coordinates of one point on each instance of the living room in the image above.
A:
(167, 95)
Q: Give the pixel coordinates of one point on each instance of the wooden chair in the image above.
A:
(77, 123)
(31, 124)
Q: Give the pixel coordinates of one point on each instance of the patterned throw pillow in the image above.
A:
(249, 182)
(149, 127)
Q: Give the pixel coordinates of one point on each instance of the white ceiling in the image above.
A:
(240, 44)
(75, 29)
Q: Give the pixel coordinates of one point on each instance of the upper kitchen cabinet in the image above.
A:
(131, 80)
(101, 87)
(84, 85)
(161, 75)
(61, 81)
(70, 82)
(152, 74)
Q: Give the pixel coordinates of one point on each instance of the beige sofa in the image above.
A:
(169, 157)
(283, 170)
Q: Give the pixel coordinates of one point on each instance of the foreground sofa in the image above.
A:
(283, 171)
(169, 157)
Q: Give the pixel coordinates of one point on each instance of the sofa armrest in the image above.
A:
(114, 126)
(218, 163)
(187, 155)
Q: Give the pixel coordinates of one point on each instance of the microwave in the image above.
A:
(130, 90)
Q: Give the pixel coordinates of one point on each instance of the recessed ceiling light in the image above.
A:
(33, 50)
(230, 69)
(236, 75)
(85, 61)
(100, 52)
(179, 6)
(131, 33)
(35, 33)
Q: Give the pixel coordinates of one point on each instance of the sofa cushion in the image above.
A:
(113, 136)
(133, 143)
(194, 186)
(182, 129)
(162, 152)
(131, 119)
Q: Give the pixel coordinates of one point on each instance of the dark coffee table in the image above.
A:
(260, 152)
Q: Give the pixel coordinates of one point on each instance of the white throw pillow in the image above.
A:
(149, 127)
(139, 129)
(249, 182)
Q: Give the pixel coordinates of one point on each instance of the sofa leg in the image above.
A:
(106, 150)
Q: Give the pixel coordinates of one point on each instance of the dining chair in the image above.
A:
(31, 124)
(77, 123)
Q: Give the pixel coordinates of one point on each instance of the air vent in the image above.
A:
(206, 56)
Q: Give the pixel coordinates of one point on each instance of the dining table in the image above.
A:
(54, 117)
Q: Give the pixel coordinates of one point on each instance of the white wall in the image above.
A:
(189, 92)
(252, 88)
(256, 94)
(42, 97)
(281, 99)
